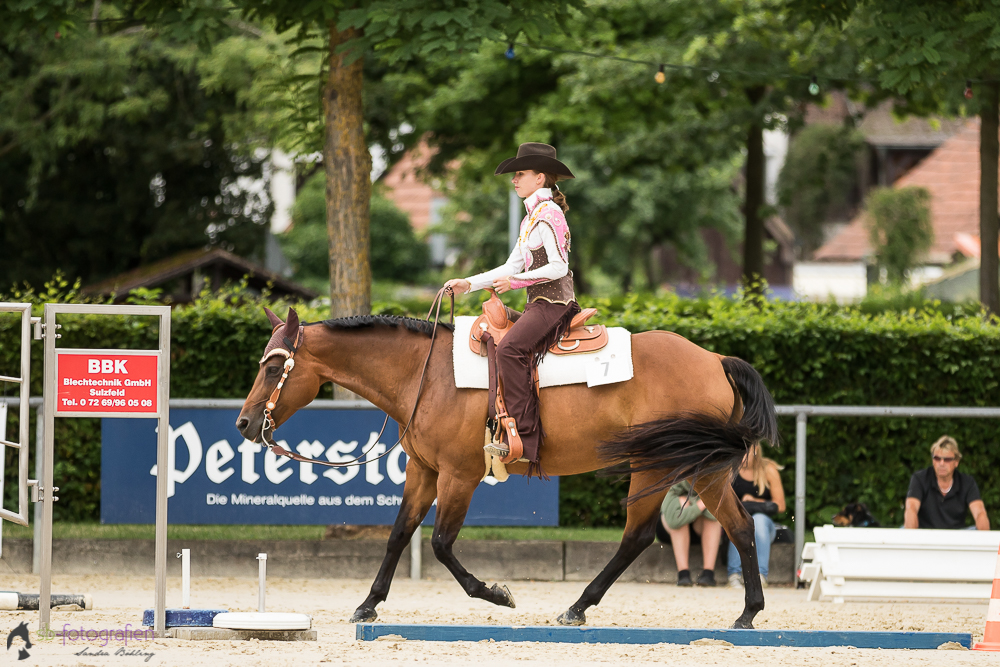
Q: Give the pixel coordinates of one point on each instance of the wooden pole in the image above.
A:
(753, 238)
(989, 155)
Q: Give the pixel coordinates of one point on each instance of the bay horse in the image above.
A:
(687, 414)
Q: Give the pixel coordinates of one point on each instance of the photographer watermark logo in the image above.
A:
(22, 632)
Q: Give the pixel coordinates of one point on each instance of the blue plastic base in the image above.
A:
(183, 618)
(581, 635)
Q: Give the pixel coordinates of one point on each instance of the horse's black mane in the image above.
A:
(363, 321)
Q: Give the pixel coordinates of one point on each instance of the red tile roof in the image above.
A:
(951, 174)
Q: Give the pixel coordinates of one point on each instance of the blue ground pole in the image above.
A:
(588, 635)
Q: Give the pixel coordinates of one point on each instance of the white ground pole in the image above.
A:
(261, 581)
(185, 577)
(163, 432)
(415, 554)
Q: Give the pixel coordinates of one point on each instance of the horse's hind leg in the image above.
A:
(640, 531)
(454, 496)
(418, 495)
(721, 500)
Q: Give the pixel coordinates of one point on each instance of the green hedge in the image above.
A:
(821, 354)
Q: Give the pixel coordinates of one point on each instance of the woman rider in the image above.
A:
(539, 262)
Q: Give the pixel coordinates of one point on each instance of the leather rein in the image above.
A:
(268, 422)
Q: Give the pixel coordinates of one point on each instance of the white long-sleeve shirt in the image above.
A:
(539, 235)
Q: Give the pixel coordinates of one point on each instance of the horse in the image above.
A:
(686, 414)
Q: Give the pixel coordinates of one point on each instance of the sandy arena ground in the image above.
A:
(120, 600)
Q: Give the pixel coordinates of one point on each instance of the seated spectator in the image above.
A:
(681, 508)
(758, 485)
(939, 495)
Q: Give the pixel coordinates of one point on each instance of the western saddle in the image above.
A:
(487, 332)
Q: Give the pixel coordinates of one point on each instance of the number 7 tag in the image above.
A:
(608, 369)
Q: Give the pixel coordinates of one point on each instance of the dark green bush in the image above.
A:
(820, 354)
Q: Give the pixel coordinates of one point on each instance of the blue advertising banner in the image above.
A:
(217, 477)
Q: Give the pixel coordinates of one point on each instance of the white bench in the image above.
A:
(889, 563)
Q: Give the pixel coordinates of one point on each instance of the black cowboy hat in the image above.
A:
(536, 157)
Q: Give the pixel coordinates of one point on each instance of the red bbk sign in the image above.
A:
(94, 382)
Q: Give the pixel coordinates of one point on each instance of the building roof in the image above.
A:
(218, 265)
(884, 130)
(951, 174)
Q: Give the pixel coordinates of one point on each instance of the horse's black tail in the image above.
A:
(695, 445)
(758, 406)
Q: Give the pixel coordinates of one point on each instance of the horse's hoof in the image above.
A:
(502, 597)
(742, 625)
(572, 617)
(364, 615)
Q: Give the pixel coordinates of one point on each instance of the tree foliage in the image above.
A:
(923, 52)
(655, 163)
(128, 147)
(397, 254)
(818, 179)
(900, 228)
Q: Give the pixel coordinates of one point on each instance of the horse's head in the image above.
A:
(286, 381)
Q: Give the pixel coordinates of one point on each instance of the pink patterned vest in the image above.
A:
(561, 290)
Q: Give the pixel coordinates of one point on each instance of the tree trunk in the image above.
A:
(348, 168)
(989, 155)
(753, 237)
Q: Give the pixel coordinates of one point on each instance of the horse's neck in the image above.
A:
(381, 364)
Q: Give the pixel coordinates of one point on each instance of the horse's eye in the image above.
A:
(273, 370)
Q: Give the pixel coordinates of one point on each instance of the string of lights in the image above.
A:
(715, 72)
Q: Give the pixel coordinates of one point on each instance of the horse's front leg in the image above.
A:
(454, 496)
(418, 495)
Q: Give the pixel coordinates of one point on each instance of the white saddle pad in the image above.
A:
(607, 366)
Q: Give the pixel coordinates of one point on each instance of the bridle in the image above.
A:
(289, 354)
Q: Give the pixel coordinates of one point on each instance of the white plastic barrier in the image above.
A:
(895, 564)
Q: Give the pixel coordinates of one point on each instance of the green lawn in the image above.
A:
(63, 530)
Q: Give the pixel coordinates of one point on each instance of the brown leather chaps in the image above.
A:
(541, 325)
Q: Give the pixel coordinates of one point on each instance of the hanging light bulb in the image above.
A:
(509, 52)
(813, 87)
(660, 77)
(968, 89)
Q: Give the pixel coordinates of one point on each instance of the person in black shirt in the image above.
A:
(939, 495)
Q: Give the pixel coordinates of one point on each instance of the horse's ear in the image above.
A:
(292, 325)
(273, 319)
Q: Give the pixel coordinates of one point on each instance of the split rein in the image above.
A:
(289, 365)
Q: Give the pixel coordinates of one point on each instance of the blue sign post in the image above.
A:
(214, 476)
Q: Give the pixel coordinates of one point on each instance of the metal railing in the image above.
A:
(800, 412)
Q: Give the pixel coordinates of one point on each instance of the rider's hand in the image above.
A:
(701, 505)
(458, 285)
(502, 285)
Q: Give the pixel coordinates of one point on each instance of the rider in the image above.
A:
(540, 263)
